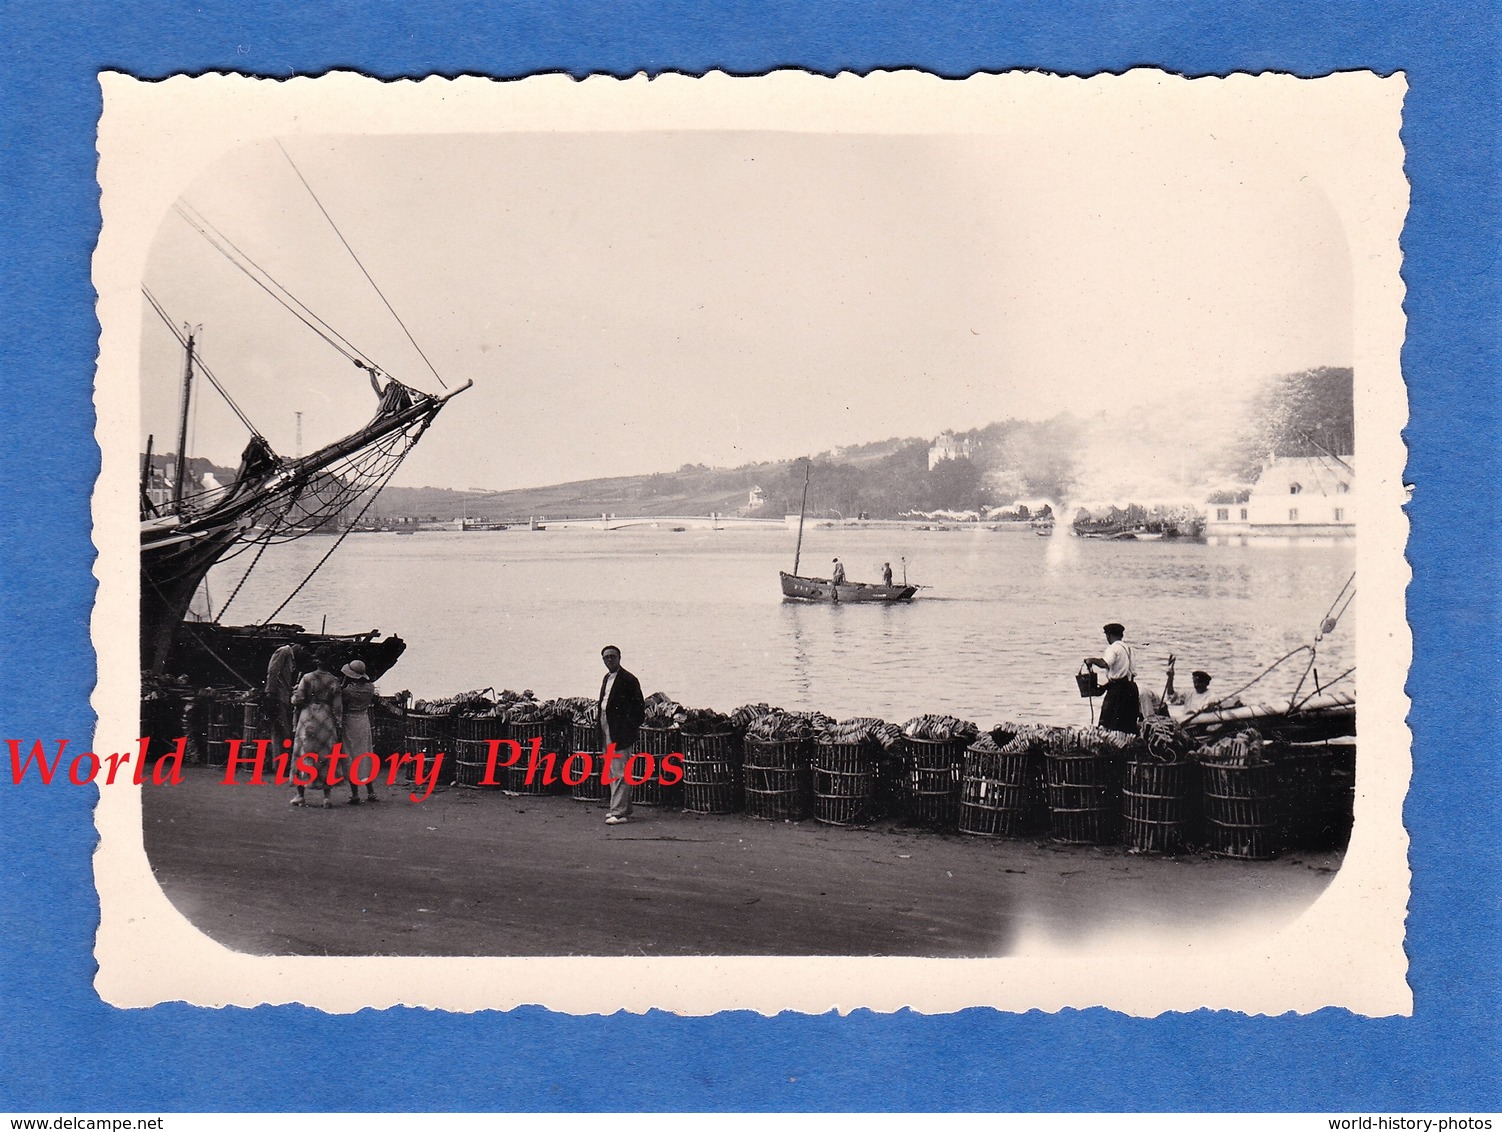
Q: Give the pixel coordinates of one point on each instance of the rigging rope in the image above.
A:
(198, 361)
(245, 577)
(254, 562)
(358, 264)
(345, 533)
(268, 283)
(188, 625)
(1321, 691)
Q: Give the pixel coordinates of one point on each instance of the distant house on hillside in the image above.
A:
(947, 446)
(755, 499)
(1296, 499)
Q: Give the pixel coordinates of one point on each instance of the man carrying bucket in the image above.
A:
(1121, 710)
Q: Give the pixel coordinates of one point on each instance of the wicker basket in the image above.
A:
(1317, 794)
(1242, 810)
(712, 773)
(224, 720)
(515, 778)
(1160, 805)
(778, 779)
(471, 757)
(427, 737)
(844, 783)
(253, 724)
(1001, 792)
(933, 769)
(656, 741)
(586, 740)
(388, 733)
(1084, 797)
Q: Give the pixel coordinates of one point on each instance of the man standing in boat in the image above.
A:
(886, 573)
(1121, 710)
(836, 580)
(622, 710)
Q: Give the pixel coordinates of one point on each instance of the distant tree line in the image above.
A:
(1294, 415)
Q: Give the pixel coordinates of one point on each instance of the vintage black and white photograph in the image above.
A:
(742, 540)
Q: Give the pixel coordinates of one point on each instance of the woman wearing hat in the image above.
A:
(359, 694)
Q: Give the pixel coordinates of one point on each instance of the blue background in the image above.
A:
(63, 1049)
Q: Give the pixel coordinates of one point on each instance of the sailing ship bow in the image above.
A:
(271, 499)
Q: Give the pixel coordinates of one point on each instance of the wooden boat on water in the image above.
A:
(795, 587)
(209, 653)
(1329, 716)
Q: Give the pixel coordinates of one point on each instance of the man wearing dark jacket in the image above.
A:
(622, 710)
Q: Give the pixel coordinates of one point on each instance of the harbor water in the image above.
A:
(997, 632)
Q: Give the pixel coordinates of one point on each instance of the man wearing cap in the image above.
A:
(1192, 703)
(1121, 710)
(622, 710)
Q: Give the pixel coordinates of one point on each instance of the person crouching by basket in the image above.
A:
(622, 710)
(1121, 710)
(358, 694)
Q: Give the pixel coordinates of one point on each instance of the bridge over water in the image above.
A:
(661, 522)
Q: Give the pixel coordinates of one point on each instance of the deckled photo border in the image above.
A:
(1441, 1057)
(1345, 950)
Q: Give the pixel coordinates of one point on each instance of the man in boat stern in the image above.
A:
(1184, 706)
(622, 709)
(836, 580)
(1121, 710)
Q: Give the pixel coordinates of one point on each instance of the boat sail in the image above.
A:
(795, 587)
(270, 499)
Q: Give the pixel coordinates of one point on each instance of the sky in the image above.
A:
(629, 302)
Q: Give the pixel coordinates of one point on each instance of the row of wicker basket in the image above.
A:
(1301, 799)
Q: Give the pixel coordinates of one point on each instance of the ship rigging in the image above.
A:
(270, 499)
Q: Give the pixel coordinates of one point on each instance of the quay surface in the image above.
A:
(481, 873)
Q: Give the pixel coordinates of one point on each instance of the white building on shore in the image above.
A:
(947, 446)
(1296, 499)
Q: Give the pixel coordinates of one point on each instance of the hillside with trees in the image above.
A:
(1145, 453)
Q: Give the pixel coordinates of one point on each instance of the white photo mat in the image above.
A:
(1342, 131)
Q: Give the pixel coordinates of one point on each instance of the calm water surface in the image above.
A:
(998, 631)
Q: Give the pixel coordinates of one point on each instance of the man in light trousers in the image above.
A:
(622, 709)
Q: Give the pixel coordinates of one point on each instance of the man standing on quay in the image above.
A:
(622, 710)
(1121, 710)
(286, 667)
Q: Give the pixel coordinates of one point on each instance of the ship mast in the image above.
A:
(802, 507)
(182, 428)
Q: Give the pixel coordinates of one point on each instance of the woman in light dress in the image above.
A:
(319, 706)
(359, 694)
